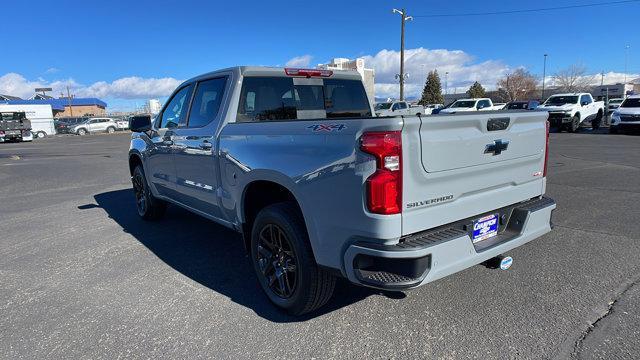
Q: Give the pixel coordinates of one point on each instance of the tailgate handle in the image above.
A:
(497, 124)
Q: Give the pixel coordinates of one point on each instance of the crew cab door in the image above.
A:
(195, 149)
(587, 107)
(161, 171)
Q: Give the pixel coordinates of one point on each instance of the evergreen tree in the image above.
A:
(476, 91)
(432, 92)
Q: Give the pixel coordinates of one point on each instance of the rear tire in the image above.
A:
(41, 134)
(148, 206)
(284, 263)
(595, 123)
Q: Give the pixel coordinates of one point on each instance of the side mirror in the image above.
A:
(585, 103)
(140, 123)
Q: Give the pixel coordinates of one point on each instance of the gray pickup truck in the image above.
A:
(296, 162)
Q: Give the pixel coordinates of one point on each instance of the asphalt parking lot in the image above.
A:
(82, 277)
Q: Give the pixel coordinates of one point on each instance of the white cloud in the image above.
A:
(124, 88)
(463, 71)
(299, 61)
(130, 88)
(52, 70)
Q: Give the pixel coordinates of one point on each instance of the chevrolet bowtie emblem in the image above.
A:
(497, 147)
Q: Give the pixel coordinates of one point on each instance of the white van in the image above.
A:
(41, 117)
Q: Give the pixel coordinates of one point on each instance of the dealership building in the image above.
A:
(368, 75)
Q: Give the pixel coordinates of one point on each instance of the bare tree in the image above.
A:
(573, 79)
(516, 86)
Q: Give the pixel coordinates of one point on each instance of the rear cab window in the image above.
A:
(273, 98)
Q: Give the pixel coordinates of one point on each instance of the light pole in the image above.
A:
(544, 76)
(403, 18)
(626, 61)
(446, 83)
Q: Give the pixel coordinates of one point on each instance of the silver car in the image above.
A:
(95, 125)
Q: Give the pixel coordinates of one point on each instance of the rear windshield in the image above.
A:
(463, 104)
(277, 98)
(631, 103)
(383, 106)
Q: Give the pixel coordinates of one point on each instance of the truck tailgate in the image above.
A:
(458, 166)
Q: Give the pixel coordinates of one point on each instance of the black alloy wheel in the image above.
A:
(148, 206)
(277, 261)
(139, 192)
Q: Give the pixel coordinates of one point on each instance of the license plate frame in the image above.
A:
(485, 228)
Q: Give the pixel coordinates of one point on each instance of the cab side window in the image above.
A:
(483, 104)
(585, 99)
(206, 102)
(176, 109)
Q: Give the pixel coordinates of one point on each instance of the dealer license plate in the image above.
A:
(485, 228)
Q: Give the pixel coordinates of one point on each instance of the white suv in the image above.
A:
(627, 115)
(94, 125)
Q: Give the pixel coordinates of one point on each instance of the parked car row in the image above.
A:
(88, 125)
(566, 111)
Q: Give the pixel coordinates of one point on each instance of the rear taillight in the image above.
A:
(384, 187)
(308, 72)
(546, 151)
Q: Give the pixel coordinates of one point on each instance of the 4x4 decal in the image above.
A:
(327, 127)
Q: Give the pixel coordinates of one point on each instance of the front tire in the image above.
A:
(111, 130)
(148, 206)
(284, 263)
(82, 132)
(41, 134)
(574, 125)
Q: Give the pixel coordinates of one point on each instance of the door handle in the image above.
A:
(167, 142)
(205, 145)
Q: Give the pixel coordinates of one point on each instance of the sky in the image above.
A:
(125, 52)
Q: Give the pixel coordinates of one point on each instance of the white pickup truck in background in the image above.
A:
(395, 108)
(462, 105)
(569, 111)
